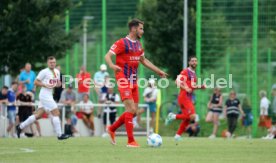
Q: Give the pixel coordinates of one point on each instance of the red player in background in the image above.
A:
(187, 83)
(129, 54)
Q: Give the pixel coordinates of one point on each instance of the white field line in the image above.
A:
(22, 150)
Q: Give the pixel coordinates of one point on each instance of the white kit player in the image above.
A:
(47, 79)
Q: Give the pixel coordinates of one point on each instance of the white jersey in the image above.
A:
(49, 77)
(264, 105)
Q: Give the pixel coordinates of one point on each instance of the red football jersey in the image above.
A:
(190, 78)
(128, 53)
(82, 88)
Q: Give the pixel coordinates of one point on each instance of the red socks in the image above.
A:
(126, 118)
(183, 126)
(118, 123)
(129, 126)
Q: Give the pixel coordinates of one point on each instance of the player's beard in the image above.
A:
(138, 36)
(194, 66)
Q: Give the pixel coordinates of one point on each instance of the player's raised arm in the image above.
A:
(152, 67)
(108, 59)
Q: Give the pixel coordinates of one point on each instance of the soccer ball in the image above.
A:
(154, 140)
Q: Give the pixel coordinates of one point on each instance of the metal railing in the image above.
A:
(4, 111)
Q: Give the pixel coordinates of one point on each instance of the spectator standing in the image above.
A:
(215, 109)
(68, 98)
(265, 120)
(232, 109)
(11, 107)
(27, 77)
(83, 87)
(86, 109)
(99, 79)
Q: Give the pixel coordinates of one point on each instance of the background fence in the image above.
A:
(238, 38)
(232, 37)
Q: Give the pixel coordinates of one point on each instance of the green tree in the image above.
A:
(164, 32)
(31, 30)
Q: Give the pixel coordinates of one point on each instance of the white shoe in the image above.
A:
(22, 135)
(104, 135)
(212, 136)
(170, 117)
(135, 124)
(268, 137)
(177, 138)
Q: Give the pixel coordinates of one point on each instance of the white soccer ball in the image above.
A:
(154, 140)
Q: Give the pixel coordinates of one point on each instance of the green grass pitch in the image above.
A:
(96, 149)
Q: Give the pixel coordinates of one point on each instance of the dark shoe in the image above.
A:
(63, 136)
(18, 131)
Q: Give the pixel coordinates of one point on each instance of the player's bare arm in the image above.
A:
(152, 67)
(39, 83)
(108, 59)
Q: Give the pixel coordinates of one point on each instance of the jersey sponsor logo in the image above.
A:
(134, 58)
(53, 81)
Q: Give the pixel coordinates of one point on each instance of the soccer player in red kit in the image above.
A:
(187, 83)
(129, 53)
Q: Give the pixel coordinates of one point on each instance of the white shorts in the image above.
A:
(47, 104)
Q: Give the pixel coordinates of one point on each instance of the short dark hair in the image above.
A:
(5, 87)
(50, 58)
(14, 82)
(191, 57)
(86, 94)
(134, 23)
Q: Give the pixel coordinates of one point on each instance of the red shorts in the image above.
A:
(265, 122)
(129, 92)
(186, 105)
